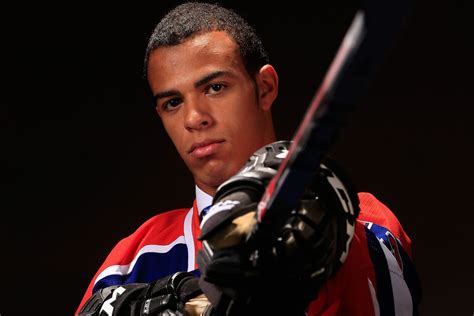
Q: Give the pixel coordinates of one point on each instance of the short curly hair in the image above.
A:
(193, 18)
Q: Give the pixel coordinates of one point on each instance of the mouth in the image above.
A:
(205, 148)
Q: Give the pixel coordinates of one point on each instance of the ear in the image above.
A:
(267, 83)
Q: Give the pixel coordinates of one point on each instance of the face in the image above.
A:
(216, 114)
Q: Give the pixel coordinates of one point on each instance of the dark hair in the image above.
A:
(193, 18)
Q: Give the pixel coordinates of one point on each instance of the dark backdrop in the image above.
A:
(87, 160)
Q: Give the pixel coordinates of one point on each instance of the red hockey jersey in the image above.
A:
(378, 277)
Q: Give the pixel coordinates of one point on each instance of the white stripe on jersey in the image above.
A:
(401, 294)
(125, 269)
(188, 236)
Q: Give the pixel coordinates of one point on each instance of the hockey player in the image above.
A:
(214, 89)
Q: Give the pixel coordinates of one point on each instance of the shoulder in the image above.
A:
(163, 228)
(162, 231)
(163, 220)
(158, 235)
(374, 212)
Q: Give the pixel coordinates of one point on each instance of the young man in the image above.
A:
(213, 89)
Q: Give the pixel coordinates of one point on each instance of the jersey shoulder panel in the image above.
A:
(373, 211)
(162, 233)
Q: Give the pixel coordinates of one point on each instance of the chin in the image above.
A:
(217, 178)
(218, 174)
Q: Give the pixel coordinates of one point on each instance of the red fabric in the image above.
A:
(374, 211)
(127, 248)
(196, 231)
(347, 293)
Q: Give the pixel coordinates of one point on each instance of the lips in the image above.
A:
(205, 148)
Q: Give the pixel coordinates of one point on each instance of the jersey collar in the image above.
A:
(203, 200)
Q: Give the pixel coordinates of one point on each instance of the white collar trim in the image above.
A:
(202, 199)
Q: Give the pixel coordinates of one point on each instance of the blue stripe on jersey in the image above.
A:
(149, 267)
(382, 275)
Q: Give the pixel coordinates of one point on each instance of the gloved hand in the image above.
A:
(277, 274)
(173, 295)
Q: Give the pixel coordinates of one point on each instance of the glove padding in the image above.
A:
(280, 274)
(175, 295)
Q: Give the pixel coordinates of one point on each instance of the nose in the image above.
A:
(197, 116)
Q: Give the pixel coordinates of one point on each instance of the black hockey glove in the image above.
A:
(174, 295)
(276, 275)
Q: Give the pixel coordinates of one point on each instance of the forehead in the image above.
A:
(197, 56)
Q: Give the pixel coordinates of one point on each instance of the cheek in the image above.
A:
(174, 134)
(246, 110)
(246, 126)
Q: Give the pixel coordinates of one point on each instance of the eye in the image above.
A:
(215, 88)
(171, 104)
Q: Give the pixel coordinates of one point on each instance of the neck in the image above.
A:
(211, 190)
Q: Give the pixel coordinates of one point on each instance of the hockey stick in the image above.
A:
(362, 51)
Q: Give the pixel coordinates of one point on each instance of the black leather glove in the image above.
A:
(277, 274)
(166, 296)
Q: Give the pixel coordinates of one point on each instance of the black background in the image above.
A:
(87, 160)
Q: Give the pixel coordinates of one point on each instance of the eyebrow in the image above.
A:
(164, 94)
(211, 76)
(197, 84)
